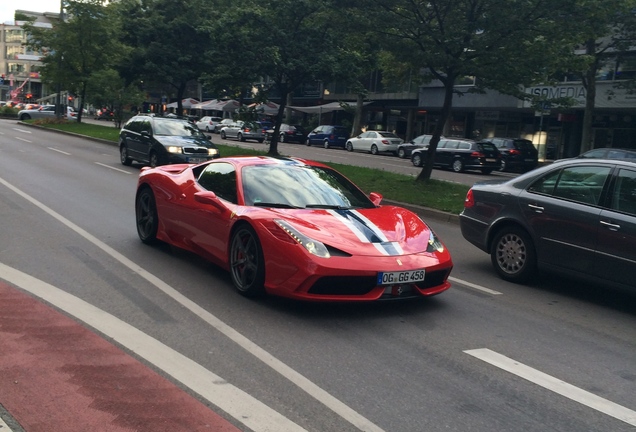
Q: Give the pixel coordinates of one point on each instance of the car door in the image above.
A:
(616, 242)
(131, 135)
(562, 211)
(444, 152)
(363, 141)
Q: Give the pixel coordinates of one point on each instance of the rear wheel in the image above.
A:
(502, 167)
(458, 165)
(326, 144)
(417, 160)
(513, 255)
(223, 134)
(240, 137)
(146, 215)
(247, 265)
(374, 149)
(123, 155)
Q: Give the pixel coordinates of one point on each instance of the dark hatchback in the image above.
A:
(162, 140)
(575, 216)
(461, 155)
(517, 154)
(292, 133)
(328, 136)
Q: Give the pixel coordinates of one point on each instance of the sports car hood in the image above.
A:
(182, 141)
(385, 230)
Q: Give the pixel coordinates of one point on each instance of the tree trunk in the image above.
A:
(427, 169)
(589, 83)
(357, 119)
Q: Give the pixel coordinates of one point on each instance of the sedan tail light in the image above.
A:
(477, 154)
(385, 142)
(469, 201)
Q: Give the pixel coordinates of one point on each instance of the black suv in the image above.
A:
(161, 140)
(461, 154)
(517, 154)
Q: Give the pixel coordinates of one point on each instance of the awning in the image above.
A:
(219, 105)
(186, 103)
(333, 106)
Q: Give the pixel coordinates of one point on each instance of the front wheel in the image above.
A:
(146, 215)
(349, 146)
(25, 117)
(307, 143)
(123, 155)
(401, 153)
(513, 255)
(247, 265)
(154, 159)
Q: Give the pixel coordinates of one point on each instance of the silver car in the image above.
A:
(375, 142)
(43, 112)
(243, 131)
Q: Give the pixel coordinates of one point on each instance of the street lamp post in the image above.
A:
(58, 103)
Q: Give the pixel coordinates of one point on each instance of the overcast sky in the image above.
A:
(8, 7)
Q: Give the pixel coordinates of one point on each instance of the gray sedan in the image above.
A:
(243, 131)
(43, 112)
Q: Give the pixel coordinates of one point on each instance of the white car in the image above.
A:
(45, 111)
(207, 123)
(375, 142)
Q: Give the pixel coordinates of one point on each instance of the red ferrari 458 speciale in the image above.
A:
(293, 228)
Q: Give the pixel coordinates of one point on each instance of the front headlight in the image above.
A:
(175, 149)
(434, 244)
(213, 151)
(314, 247)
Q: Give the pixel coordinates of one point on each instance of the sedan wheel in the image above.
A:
(146, 216)
(417, 160)
(247, 265)
(513, 255)
(25, 117)
(240, 137)
(123, 155)
(458, 165)
(154, 159)
(401, 153)
(349, 146)
(374, 149)
(223, 134)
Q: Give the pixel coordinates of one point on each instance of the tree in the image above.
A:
(502, 44)
(607, 31)
(78, 47)
(108, 89)
(168, 39)
(291, 41)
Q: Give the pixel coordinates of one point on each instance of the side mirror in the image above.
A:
(375, 198)
(210, 198)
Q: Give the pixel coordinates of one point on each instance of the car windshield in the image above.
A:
(176, 128)
(300, 186)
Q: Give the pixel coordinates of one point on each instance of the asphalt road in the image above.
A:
(486, 355)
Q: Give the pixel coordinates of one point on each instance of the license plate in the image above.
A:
(196, 160)
(529, 160)
(491, 160)
(408, 276)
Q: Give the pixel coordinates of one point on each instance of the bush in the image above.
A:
(6, 111)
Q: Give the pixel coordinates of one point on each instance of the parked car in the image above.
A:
(292, 133)
(517, 154)
(292, 228)
(328, 136)
(104, 114)
(222, 124)
(575, 216)
(462, 154)
(162, 140)
(244, 131)
(207, 123)
(609, 153)
(375, 142)
(45, 111)
(405, 149)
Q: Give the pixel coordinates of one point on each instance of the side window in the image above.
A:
(220, 178)
(451, 144)
(145, 126)
(624, 196)
(582, 184)
(464, 146)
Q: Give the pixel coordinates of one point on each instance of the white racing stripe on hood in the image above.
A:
(366, 231)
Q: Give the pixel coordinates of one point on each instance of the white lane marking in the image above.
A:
(473, 286)
(22, 139)
(240, 405)
(301, 381)
(59, 151)
(22, 130)
(113, 168)
(556, 385)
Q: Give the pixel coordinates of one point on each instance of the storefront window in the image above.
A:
(626, 68)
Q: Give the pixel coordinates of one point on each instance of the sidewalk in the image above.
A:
(56, 375)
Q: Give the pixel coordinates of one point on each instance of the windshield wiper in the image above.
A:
(327, 206)
(275, 205)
